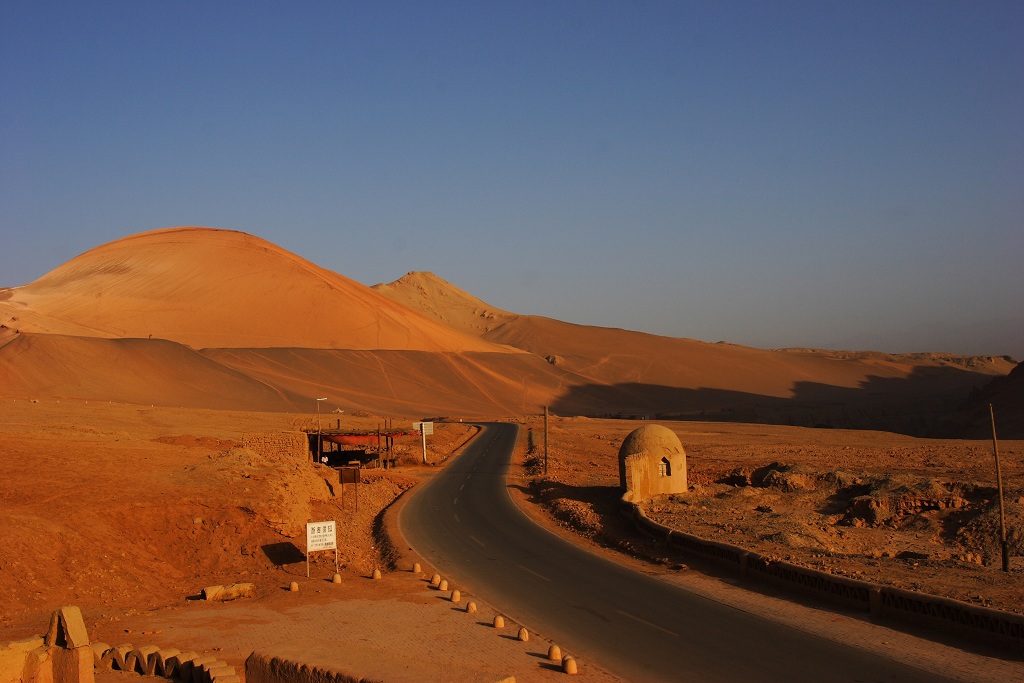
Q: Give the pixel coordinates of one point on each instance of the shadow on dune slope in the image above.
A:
(911, 405)
(468, 385)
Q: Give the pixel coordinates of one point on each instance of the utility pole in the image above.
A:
(999, 485)
(319, 432)
(545, 441)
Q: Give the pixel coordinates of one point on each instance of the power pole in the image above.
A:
(999, 485)
(545, 441)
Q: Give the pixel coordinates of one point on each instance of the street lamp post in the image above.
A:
(319, 437)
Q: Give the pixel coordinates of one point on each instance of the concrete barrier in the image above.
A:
(569, 666)
(232, 591)
(114, 658)
(162, 662)
(922, 608)
(260, 668)
(138, 660)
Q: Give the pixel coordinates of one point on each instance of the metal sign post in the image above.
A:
(349, 475)
(424, 429)
(321, 536)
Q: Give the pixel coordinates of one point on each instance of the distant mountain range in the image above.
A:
(197, 317)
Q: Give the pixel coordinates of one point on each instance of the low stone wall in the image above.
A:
(929, 610)
(278, 445)
(261, 668)
(20, 660)
(64, 655)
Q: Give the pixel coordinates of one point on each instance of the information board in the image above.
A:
(424, 427)
(321, 536)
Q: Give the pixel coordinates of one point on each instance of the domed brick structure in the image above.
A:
(652, 461)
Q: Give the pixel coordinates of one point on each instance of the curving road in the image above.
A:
(636, 626)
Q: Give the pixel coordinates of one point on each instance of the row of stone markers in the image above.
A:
(65, 655)
(568, 662)
(149, 660)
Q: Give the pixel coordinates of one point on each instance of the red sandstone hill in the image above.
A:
(211, 318)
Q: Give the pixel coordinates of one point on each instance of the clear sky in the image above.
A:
(831, 174)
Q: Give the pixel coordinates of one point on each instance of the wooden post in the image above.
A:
(999, 484)
(545, 441)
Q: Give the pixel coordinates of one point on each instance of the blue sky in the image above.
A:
(830, 174)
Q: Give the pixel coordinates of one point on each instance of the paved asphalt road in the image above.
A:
(634, 625)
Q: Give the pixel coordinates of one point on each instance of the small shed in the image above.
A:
(652, 462)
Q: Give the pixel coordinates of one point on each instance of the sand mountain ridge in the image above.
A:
(441, 300)
(216, 318)
(205, 287)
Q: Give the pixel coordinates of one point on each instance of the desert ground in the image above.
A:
(119, 508)
(129, 375)
(129, 511)
(920, 514)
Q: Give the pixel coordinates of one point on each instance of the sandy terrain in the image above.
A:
(119, 508)
(129, 511)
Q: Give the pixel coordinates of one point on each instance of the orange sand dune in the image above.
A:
(444, 302)
(159, 372)
(276, 331)
(611, 356)
(613, 370)
(1005, 395)
(410, 383)
(144, 371)
(615, 356)
(218, 288)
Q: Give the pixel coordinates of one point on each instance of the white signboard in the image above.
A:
(424, 427)
(321, 536)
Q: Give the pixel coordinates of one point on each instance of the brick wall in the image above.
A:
(278, 445)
